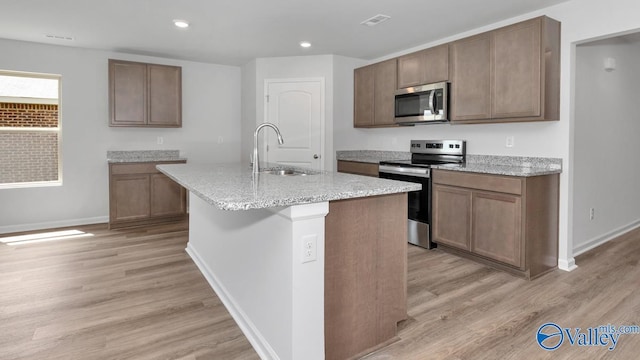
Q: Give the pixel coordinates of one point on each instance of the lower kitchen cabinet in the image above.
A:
(453, 207)
(140, 195)
(505, 221)
(358, 168)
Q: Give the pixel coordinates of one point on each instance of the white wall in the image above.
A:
(249, 111)
(343, 104)
(258, 71)
(211, 109)
(606, 131)
(582, 20)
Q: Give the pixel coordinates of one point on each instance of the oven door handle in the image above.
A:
(423, 173)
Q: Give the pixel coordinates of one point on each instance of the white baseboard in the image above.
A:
(260, 345)
(53, 224)
(593, 243)
(567, 264)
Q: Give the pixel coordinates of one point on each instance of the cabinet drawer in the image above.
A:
(359, 168)
(497, 183)
(139, 168)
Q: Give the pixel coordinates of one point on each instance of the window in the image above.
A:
(29, 130)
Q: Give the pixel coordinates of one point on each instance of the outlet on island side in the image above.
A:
(592, 213)
(309, 247)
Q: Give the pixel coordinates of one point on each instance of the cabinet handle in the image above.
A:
(315, 156)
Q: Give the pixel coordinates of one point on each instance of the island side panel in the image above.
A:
(365, 273)
(253, 261)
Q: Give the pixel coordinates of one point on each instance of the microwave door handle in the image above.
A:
(432, 103)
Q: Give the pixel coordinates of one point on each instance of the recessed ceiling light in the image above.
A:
(183, 24)
(305, 44)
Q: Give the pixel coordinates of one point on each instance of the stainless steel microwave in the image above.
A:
(422, 104)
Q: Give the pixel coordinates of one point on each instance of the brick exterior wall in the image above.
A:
(28, 156)
(28, 115)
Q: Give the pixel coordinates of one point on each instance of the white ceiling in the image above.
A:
(235, 31)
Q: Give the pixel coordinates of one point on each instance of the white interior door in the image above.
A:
(296, 107)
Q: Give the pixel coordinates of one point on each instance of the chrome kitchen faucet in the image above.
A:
(256, 165)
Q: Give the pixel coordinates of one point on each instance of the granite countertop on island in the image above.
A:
(234, 187)
(138, 156)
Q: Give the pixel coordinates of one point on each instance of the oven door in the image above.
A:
(419, 203)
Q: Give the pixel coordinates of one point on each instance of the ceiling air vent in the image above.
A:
(59, 37)
(376, 20)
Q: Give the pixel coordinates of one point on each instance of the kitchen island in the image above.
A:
(310, 266)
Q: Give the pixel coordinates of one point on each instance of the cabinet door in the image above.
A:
(497, 227)
(167, 196)
(385, 87)
(165, 95)
(436, 62)
(363, 95)
(517, 70)
(129, 197)
(127, 93)
(411, 70)
(451, 216)
(424, 67)
(471, 78)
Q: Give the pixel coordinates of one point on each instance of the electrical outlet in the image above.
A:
(160, 140)
(309, 248)
(510, 142)
(592, 213)
(220, 139)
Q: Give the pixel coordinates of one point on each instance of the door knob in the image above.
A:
(315, 156)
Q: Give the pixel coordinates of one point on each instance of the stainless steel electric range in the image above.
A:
(424, 153)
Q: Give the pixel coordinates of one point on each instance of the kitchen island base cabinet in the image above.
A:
(505, 221)
(365, 273)
(344, 303)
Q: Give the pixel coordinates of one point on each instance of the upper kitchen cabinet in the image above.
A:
(510, 74)
(424, 67)
(144, 95)
(374, 89)
(471, 78)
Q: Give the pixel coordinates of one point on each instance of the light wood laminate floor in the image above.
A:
(135, 294)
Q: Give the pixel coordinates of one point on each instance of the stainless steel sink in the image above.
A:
(284, 172)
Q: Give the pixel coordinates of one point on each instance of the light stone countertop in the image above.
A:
(234, 187)
(372, 156)
(507, 165)
(507, 170)
(486, 164)
(134, 156)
